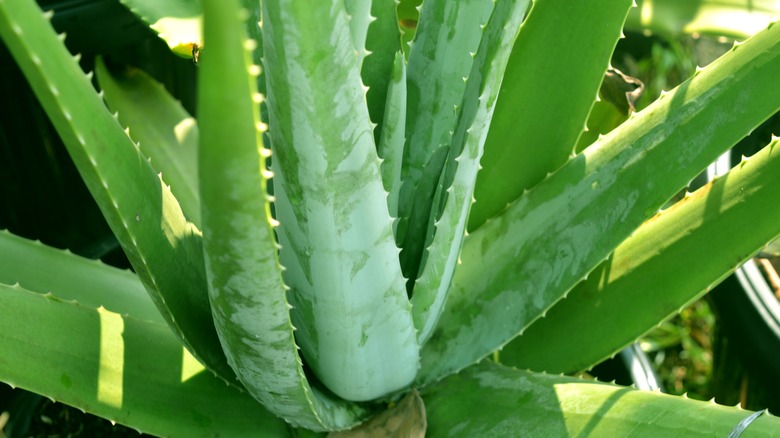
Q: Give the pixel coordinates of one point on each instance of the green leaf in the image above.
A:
(21, 263)
(459, 175)
(491, 400)
(177, 22)
(164, 249)
(448, 33)
(163, 129)
(730, 18)
(518, 265)
(336, 233)
(408, 12)
(248, 296)
(391, 141)
(383, 42)
(544, 104)
(359, 17)
(128, 370)
(649, 277)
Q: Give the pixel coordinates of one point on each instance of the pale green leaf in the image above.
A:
(248, 296)
(518, 265)
(336, 233)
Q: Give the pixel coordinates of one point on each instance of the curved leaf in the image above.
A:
(164, 249)
(128, 370)
(491, 400)
(118, 291)
(518, 265)
(459, 175)
(350, 305)
(163, 129)
(248, 296)
(544, 104)
(649, 276)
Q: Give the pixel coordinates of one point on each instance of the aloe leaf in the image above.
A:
(730, 18)
(649, 277)
(460, 174)
(408, 13)
(163, 129)
(177, 22)
(116, 290)
(336, 233)
(248, 295)
(448, 33)
(543, 105)
(383, 42)
(359, 16)
(164, 249)
(131, 371)
(518, 265)
(492, 400)
(391, 141)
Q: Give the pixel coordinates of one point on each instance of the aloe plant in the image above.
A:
(383, 262)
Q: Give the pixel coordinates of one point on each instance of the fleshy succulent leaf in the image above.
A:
(359, 17)
(459, 175)
(622, 294)
(102, 364)
(116, 290)
(520, 154)
(518, 265)
(336, 233)
(528, 404)
(391, 140)
(248, 295)
(162, 128)
(441, 57)
(383, 42)
(164, 249)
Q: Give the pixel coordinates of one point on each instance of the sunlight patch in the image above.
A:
(190, 366)
(112, 357)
